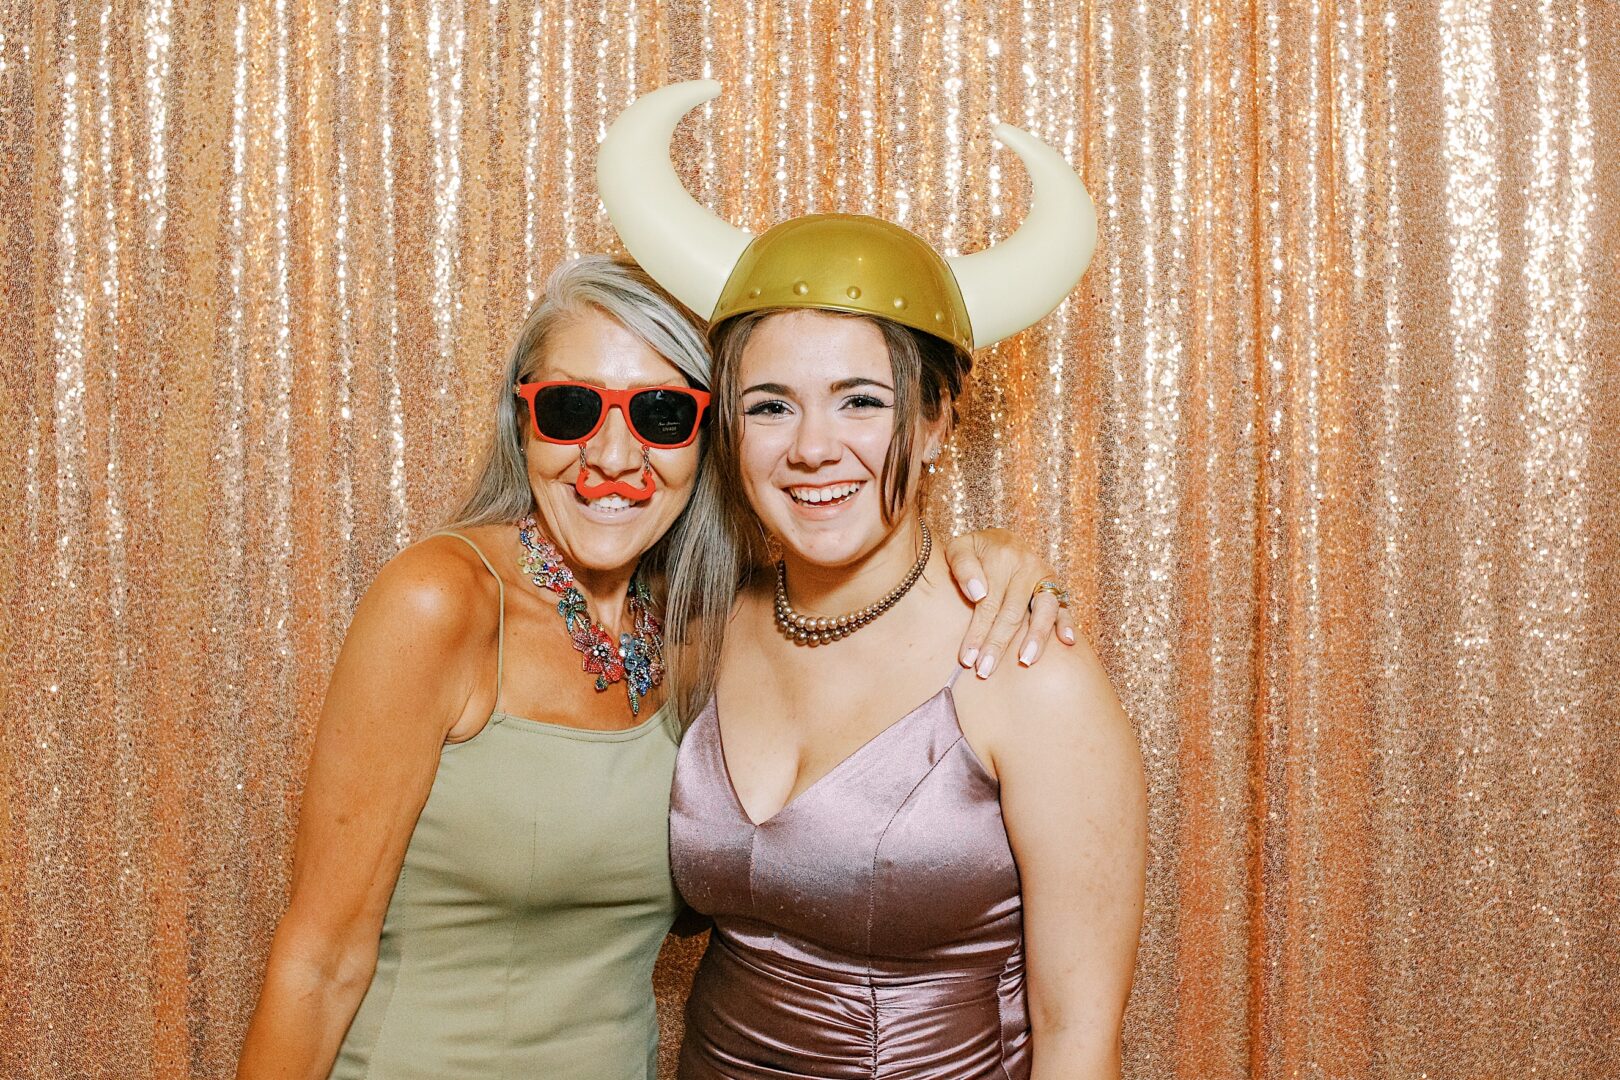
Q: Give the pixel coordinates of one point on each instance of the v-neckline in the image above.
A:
(731, 785)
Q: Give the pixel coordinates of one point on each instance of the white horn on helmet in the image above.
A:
(684, 246)
(1018, 282)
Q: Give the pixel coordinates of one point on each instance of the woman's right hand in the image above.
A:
(409, 669)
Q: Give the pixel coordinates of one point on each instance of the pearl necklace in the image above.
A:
(813, 630)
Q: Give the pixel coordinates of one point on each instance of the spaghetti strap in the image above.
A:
(500, 630)
(955, 671)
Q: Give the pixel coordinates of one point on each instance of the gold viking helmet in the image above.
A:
(842, 262)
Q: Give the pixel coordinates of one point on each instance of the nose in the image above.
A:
(613, 451)
(814, 441)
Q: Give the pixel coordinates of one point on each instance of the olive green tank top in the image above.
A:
(520, 938)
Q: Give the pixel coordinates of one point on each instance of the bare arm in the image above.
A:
(1074, 800)
(401, 682)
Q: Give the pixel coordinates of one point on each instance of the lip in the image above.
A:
(825, 484)
(605, 517)
(821, 511)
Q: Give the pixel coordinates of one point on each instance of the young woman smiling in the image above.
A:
(950, 888)
(945, 889)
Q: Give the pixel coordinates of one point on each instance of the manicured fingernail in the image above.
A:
(987, 665)
(975, 590)
(968, 656)
(1067, 635)
(1027, 657)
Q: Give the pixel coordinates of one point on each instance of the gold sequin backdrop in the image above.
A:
(1326, 442)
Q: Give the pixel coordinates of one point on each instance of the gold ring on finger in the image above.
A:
(1058, 591)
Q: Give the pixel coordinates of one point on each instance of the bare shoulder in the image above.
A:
(413, 649)
(436, 588)
(1064, 699)
(1073, 673)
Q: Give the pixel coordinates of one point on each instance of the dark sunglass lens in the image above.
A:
(566, 412)
(664, 417)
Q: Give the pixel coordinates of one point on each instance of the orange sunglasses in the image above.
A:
(662, 417)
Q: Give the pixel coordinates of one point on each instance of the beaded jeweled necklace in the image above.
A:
(823, 630)
(637, 659)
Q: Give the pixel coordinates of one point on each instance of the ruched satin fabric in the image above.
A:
(871, 927)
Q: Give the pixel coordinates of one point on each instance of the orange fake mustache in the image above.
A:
(587, 490)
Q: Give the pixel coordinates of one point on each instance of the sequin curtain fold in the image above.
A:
(1326, 442)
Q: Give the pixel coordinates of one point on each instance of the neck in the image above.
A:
(607, 596)
(837, 590)
(606, 592)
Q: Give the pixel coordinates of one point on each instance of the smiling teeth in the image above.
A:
(813, 496)
(611, 502)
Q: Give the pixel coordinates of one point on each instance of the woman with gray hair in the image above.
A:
(481, 876)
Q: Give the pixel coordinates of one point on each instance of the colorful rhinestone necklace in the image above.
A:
(637, 659)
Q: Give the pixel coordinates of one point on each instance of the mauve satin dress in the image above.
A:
(872, 928)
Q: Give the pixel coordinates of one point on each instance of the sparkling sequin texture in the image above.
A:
(1326, 445)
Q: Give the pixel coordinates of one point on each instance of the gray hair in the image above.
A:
(699, 557)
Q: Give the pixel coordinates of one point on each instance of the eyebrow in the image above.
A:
(850, 384)
(837, 387)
